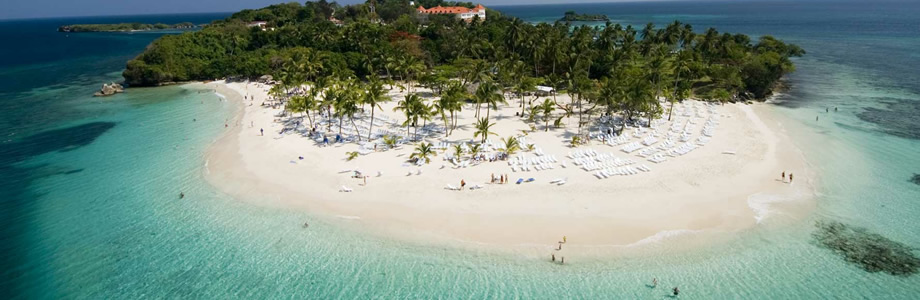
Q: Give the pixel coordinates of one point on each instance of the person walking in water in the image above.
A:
(676, 291)
(554, 257)
(655, 282)
(562, 260)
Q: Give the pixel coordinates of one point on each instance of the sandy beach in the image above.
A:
(713, 188)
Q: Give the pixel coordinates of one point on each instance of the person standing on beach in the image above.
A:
(462, 183)
(493, 178)
(790, 177)
(563, 239)
(554, 257)
(262, 131)
(784, 176)
(562, 261)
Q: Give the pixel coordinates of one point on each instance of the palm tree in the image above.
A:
(487, 93)
(511, 145)
(406, 106)
(681, 65)
(349, 156)
(547, 107)
(423, 151)
(458, 151)
(390, 141)
(452, 100)
(482, 129)
(523, 85)
(374, 96)
(347, 104)
(475, 149)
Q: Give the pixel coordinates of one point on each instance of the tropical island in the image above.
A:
(490, 131)
(123, 27)
(572, 16)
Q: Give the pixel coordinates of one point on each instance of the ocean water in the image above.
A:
(89, 206)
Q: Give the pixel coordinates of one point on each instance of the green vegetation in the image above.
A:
(123, 27)
(572, 16)
(606, 70)
(423, 152)
(870, 251)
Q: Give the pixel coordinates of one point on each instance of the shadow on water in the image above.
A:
(17, 200)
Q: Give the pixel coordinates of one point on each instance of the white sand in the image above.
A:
(702, 191)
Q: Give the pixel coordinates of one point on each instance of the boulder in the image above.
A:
(109, 89)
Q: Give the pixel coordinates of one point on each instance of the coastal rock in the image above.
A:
(109, 89)
(915, 179)
(870, 251)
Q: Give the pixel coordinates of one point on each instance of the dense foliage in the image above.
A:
(346, 55)
(675, 58)
(123, 27)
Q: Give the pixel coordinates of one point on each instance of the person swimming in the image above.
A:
(181, 195)
(676, 291)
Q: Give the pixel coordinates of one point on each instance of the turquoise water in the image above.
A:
(89, 185)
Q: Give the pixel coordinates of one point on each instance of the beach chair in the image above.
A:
(345, 189)
(519, 180)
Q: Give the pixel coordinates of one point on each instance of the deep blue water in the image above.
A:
(87, 185)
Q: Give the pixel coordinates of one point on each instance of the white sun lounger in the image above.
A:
(345, 189)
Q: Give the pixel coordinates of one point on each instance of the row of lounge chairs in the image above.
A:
(622, 171)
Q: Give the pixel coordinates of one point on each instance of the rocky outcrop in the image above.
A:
(870, 251)
(109, 89)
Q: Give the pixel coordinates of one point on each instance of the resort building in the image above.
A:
(464, 13)
(260, 24)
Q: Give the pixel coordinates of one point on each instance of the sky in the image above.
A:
(28, 9)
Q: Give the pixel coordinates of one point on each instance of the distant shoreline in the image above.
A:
(124, 27)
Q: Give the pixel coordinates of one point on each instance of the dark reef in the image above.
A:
(870, 251)
(915, 179)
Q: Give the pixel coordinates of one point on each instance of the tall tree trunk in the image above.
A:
(674, 96)
(370, 129)
(522, 105)
(357, 132)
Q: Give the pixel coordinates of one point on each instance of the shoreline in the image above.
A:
(605, 217)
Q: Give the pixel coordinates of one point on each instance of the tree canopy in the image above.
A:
(597, 65)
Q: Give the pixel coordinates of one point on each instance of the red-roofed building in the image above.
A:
(462, 12)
